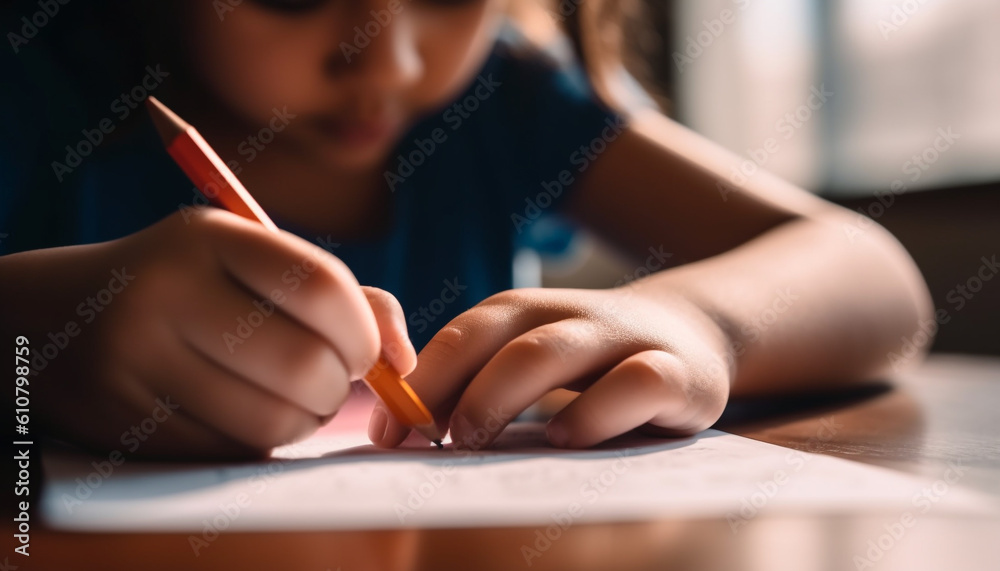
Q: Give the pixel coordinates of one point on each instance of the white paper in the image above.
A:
(339, 481)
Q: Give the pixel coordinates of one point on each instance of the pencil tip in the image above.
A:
(430, 432)
(167, 123)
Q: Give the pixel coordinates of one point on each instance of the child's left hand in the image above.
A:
(639, 359)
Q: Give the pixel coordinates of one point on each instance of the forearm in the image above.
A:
(805, 304)
(41, 289)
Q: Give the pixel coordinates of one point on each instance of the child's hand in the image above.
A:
(230, 338)
(637, 360)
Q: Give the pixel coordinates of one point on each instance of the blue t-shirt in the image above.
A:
(468, 181)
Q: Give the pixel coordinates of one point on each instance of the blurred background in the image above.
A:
(889, 108)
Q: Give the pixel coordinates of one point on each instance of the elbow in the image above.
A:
(909, 320)
(918, 317)
(918, 306)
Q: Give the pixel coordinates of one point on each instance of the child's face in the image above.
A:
(354, 80)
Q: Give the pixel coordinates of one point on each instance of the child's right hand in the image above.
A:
(222, 339)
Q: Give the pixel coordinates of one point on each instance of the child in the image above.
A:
(407, 146)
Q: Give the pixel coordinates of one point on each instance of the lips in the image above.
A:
(355, 132)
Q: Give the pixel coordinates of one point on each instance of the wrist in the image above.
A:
(673, 290)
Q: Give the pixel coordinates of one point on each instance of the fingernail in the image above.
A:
(377, 425)
(557, 434)
(412, 351)
(461, 430)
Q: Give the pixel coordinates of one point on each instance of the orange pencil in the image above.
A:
(221, 187)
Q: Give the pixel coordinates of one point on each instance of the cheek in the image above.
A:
(253, 62)
(454, 48)
(253, 65)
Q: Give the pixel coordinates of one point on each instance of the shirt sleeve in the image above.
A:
(560, 129)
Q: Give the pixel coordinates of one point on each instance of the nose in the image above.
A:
(380, 52)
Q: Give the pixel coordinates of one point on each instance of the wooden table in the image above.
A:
(945, 412)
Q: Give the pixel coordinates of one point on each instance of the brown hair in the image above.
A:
(607, 36)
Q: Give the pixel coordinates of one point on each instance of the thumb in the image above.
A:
(396, 346)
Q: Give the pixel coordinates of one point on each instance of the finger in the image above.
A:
(305, 282)
(135, 422)
(187, 438)
(235, 407)
(276, 353)
(551, 356)
(180, 435)
(648, 387)
(450, 360)
(396, 345)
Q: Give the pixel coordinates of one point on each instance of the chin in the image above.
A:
(347, 158)
(345, 155)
